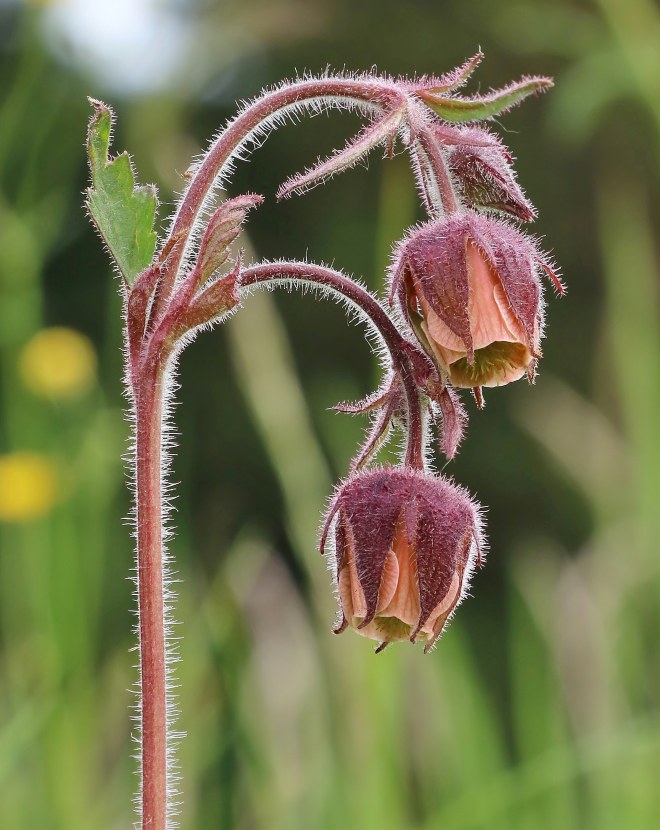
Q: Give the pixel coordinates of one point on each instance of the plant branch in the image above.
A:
(375, 93)
(400, 349)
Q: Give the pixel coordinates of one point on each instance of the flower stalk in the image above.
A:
(436, 169)
(371, 94)
(401, 351)
(404, 539)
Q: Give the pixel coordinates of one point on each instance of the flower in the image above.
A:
(470, 287)
(405, 545)
(58, 362)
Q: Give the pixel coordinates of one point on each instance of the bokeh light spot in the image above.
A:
(28, 486)
(58, 363)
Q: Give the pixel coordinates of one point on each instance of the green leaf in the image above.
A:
(481, 107)
(123, 212)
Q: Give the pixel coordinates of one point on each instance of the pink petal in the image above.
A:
(348, 592)
(492, 320)
(491, 317)
(351, 595)
(389, 582)
(439, 332)
(450, 599)
(404, 604)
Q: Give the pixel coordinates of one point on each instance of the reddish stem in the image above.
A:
(148, 448)
(148, 389)
(438, 165)
(375, 93)
(397, 345)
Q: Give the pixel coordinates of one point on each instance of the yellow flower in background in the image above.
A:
(28, 486)
(58, 362)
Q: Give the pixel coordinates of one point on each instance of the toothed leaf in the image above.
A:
(123, 212)
(480, 107)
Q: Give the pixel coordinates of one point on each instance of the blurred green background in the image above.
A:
(540, 707)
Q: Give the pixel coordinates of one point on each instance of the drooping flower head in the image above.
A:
(470, 286)
(405, 544)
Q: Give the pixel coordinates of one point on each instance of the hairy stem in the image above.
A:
(375, 93)
(439, 169)
(153, 691)
(398, 347)
(149, 393)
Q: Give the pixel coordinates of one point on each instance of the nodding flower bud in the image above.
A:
(405, 545)
(481, 168)
(471, 289)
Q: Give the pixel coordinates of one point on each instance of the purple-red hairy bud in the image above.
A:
(481, 167)
(223, 228)
(471, 288)
(405, 545)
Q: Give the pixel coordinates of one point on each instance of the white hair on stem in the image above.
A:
(172, 657)
(355, 314)
(253, 141)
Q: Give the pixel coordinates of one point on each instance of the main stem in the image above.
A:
(153, 692)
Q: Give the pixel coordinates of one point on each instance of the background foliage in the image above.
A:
(540, 706)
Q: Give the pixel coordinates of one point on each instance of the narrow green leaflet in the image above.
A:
(123, 212)
(481, 107)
